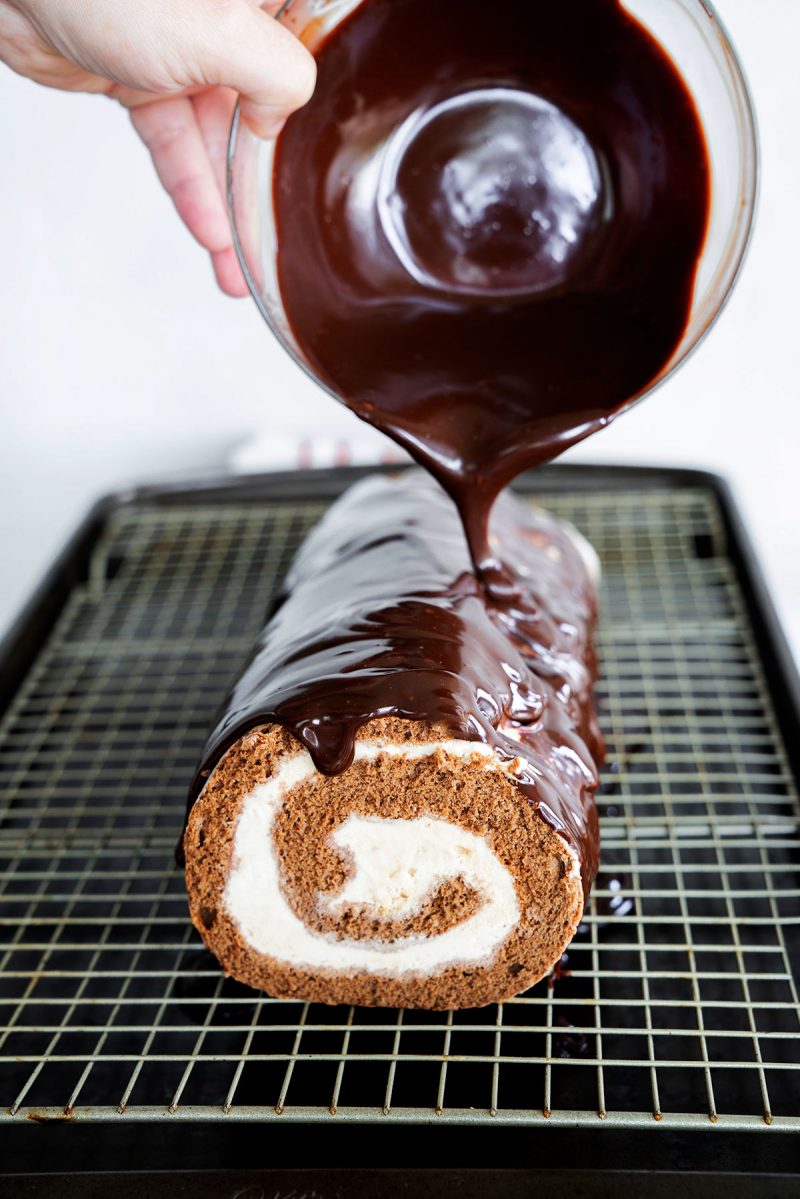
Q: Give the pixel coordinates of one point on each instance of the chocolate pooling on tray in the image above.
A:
(384, 656)
(489, 221)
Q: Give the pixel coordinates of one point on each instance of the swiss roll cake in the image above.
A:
(396, 806)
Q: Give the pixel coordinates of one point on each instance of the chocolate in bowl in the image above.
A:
(489, 233)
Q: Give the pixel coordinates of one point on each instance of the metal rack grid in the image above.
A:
(679, 1004)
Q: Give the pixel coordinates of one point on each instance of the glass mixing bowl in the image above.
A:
(695, 39)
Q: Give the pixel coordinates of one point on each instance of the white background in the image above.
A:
(119, 361)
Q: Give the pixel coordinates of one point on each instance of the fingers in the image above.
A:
(187, 139)
(232, 45)
(214, 111)
(272, 70)
(170, 131)
(228, 273)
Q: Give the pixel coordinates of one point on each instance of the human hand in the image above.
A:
(177, 65)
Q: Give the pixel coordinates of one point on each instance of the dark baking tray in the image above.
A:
(484, 1155)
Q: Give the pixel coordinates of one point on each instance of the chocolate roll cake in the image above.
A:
(396, 806)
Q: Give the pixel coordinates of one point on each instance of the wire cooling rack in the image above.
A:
(678, 1004)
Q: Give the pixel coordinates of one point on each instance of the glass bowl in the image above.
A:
(696, 41)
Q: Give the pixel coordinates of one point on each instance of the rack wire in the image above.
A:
(678, 1004)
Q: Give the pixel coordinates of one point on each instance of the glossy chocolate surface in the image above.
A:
(382, 615)
(489, 222)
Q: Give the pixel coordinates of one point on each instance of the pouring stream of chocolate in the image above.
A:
(489, 222)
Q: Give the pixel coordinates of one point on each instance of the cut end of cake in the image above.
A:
(419, 877)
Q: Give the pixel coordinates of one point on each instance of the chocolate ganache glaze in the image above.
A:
(489, 220)
(382, 615)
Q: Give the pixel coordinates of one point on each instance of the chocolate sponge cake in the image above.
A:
(396, 806)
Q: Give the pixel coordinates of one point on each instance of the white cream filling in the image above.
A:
(397, 866)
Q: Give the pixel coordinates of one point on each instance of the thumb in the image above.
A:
(267, 64)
